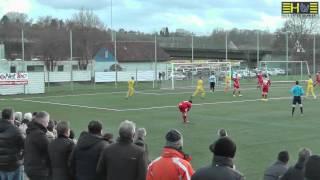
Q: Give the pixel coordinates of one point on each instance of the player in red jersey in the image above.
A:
(317, 79)
(184, 108)
(259, 80)
(236, 85)
(265, 88)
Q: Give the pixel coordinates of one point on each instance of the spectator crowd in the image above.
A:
(34, 147)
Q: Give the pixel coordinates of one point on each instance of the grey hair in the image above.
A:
(27, 116)
(127, 129)
(40, 116)
(63, 127)
(304, 154)
(18, 116)
(141, 133)
(222, 133)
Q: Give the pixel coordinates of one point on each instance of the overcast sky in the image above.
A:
(198, 16)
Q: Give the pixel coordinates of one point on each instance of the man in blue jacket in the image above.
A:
(297, 92)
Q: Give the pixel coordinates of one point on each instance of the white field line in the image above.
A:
(69, 105)
(201, 104)
(157, 92)
(147, 108)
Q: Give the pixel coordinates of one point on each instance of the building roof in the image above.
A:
(137, 52)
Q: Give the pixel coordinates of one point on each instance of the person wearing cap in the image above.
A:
(222, 167)
(173, 164)
(311, 171)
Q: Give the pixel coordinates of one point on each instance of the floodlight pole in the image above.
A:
(71, 57)
(155, 60)
(314, 53)
(192, 50)
(22, 41)
(111, 17)
(287, 54)
(226, 46)
(115, 57)
(192, 58)
(258, 49)
(22, 47)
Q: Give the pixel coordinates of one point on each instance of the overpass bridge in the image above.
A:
(249, 56)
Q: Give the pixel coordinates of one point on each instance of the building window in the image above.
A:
(75, 67)
(13, 69)
(60, 68)
(30, 68)
(36, 68)
(106, 54)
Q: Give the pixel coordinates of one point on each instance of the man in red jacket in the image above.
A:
(184, 108)
(173, 164)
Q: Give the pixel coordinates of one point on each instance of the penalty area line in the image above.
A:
(145, 108)
(69, 105)
(201, 104)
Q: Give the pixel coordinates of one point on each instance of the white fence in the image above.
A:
(68, 76)
(35, 86)
(123, 76)
(37, 80)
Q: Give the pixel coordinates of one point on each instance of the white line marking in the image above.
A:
(70, 105)
(201, 104)
(76, 95)
(161, 93)
(146, 108)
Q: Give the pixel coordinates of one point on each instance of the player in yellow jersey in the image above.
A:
(227, 80)
(310, 87)
(131, 84)
(199, 89)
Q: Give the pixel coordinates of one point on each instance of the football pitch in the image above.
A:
(260, 129)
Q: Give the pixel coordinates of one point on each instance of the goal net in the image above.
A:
(185, 75)
(285, 71)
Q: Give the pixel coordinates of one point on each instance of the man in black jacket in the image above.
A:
(140, 141)
(222, 168)
(85, 156)
(59, 152)
(296, 172)
(278, 168)
(36, 148)
(123, 160)
(312, 167)
(11, 147)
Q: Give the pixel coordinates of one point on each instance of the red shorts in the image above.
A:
(260, 82)
(236, 87)
(265, 89)
(183, 110)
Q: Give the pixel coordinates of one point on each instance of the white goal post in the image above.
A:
(185, 75)
(285, 71)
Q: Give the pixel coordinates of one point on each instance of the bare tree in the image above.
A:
(88, 31)
(300, 30)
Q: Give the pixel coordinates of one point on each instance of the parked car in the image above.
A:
(279, 71)
(178, 76)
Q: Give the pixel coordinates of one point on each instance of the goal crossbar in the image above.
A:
(194, 67)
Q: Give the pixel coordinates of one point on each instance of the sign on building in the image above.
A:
(13, 78)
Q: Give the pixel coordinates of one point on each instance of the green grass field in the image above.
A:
(260, 129)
